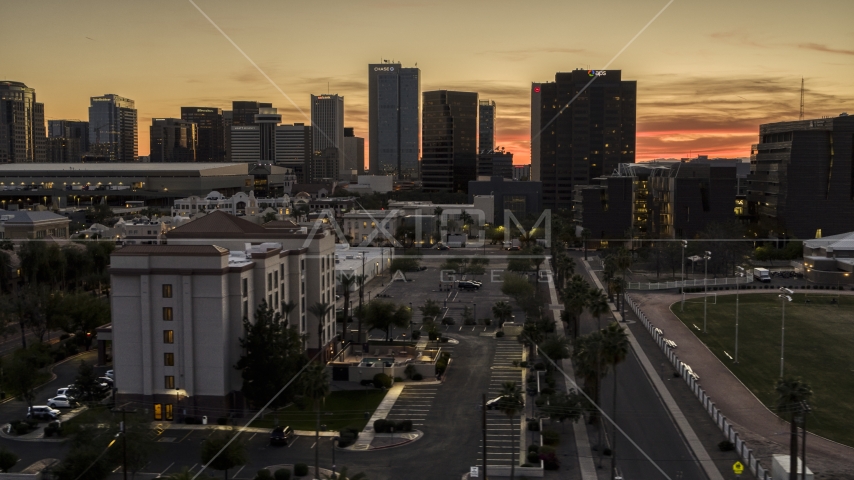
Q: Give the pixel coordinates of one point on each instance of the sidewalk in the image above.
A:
(753, 420)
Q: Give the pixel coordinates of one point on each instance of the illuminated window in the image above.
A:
(169, 359)
(168, 411)
(169, 381)
(167, 290)
(158, 411)
(167, 314)
(168, 336)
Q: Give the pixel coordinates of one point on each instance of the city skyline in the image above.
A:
(707, 75)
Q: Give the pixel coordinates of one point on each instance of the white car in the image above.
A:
(66, 392)
(43, 412)
(110, 374)
(61, 401)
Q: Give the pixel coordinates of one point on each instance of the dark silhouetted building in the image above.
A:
(243, 113)
(448, 140)
(113, 128)
(67, 140)
(293, 148)
(801, 181)
(571, 145)
(495, 164)
(327, 121)
(486, 121)
(210, 131)
(172, 140)
(267, 119)
(354, 153)
(393, 96)
(520, 198)
(22, 130)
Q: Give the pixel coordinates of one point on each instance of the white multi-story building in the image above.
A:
(178, 308)
(239, 204)
(371, 226)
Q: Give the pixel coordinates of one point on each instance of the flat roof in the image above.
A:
(125, 169)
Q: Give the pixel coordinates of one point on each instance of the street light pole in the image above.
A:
(741, 272)
(706, 257)
(684, 246)
(783, 298)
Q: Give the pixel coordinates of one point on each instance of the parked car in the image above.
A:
(62, 401)
(467, 285)
(69, 391)
(494, 404)
(106, 381)
(110, 374)
(43, 412)
(443, 247)
(281, 435)
(514, 248)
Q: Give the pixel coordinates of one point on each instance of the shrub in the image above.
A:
(300, 470)
(487, 321)
(52, 428)
(222, 421)
(398, 379)
(533, 457)
(448, 321)
(550, 461)
(433, 336)
(263, 474)
(382, 380)
(7, 459)
(416, 334)
(418, 377)
(551, 437)
(533, 448)
(533, 426)
(404, 425)
(64, 336)
(726, 446)
(545, 449)
(409, 371)
(381, 425)
(366, 383)
(540, 366)
(282, 474)
(527, 465)
(499, 333)
(548, 391)
(21, 428)
(540, 401)
(606, 451)
(469, 321)
(444, 339)
(523, 364)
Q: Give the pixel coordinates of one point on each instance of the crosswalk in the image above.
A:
(501, 431)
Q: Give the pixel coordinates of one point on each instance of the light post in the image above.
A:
(783, 298)
(334, 439)
(706, 257)
(684, 246)
(740, 273)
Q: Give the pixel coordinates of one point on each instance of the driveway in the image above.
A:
(766, 433)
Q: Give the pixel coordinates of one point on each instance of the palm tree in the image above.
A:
(587, 360)
(597, 305)
(347, 282)
(575, 301)
(467, 220)
(320, 310)
(502, 311)
(615, 348)
(315, 386)
(585, 235)
(510, 404)
(792, 395)
(287, 308)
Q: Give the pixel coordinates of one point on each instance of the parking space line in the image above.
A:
(238, 472)
(295, 438)
(167, 468)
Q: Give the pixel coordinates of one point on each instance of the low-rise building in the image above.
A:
(371, 226)
(29, 225)
(239, 204)
(830, 260)
(519, 198)
(370, 184)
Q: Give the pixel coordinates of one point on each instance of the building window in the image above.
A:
(167, 290)
(276, 305)
(245, 309)
(276, 277)
(168, 336)
(168, 411)
(269, 281)
(169, 382)
(245, 287)
(169, 359)
(302, 265)
(158, 411)
(167, 314)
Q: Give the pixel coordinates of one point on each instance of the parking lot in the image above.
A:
(414, 403)
(500, 432)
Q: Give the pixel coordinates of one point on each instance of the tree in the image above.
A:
(7, 460)
(347, 281)
(537, 259)
(590, 365)
(502, 311)
(556, 348)
(320, 310)
(269, 217)
(98, 213)
(287, 308)
(314, 385)
(406, 264)
(384, 316)
(430, 310)
(510, 404)
(88, 385)
(517, 287)
(615, 348)
(575, 300)
(21, 373)
(565, 406)
(233, 455)
(585, 236)
(597, 305)
(792, 395)
(271, 355)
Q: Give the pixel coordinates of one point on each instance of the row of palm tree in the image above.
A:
(579, 296)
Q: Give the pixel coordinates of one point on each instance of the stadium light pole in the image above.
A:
(740, 273)
(706, 258)
(684, 246)
(785, 296)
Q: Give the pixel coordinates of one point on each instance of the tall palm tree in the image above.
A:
(320, 310)
(511, 404)
(360, 280)
(502, 311)
(615, 348)
(287, 308)
(575, 301)
(315, 386)
(792, 394)
(347, 282)
(585, 236)
(438, 213)
(597, 305)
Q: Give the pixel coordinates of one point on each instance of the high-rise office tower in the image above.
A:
(243, 113)
(173, 140)
(354, 152)
(22, 132)
(245, 143)
(112, 128)
(210, 131)
(800, 183)
(393, 96)
(449, 140)
(267, 118)
(589, 138)
(327, 122)
(67, 140)
(293, 148)
(486, 122)
(227, 122)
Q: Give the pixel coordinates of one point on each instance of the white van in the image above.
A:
(762, 274)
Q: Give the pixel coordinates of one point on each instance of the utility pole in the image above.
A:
(123, 433)
(361, 294)
(483, 419)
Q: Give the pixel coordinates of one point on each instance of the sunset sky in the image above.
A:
(708, 72)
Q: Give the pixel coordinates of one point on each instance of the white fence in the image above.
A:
(689, 283)
(746, 454)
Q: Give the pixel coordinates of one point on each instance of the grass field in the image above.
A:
(341, 409)
(819, 348)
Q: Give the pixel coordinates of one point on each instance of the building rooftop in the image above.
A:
(196, 250)
(29, 216)
(126, 169)
(843, 241)
(218, 222)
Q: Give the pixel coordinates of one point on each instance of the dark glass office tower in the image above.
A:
(293, 148)
(22, 132)
(67, 140)
(327, 136)
(591, 137)
(172, 140)
(243, 113)
(210, 130)
(393, 119)
(112, 128)
(267, 119)
(486, 122)
(449, 140)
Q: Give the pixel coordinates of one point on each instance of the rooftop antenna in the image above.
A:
(802, 99)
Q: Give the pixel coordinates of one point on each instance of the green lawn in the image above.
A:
(341, 409)
(819, 348)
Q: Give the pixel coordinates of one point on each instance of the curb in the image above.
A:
(385, 447)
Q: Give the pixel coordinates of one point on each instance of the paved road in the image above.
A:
(644, 418)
